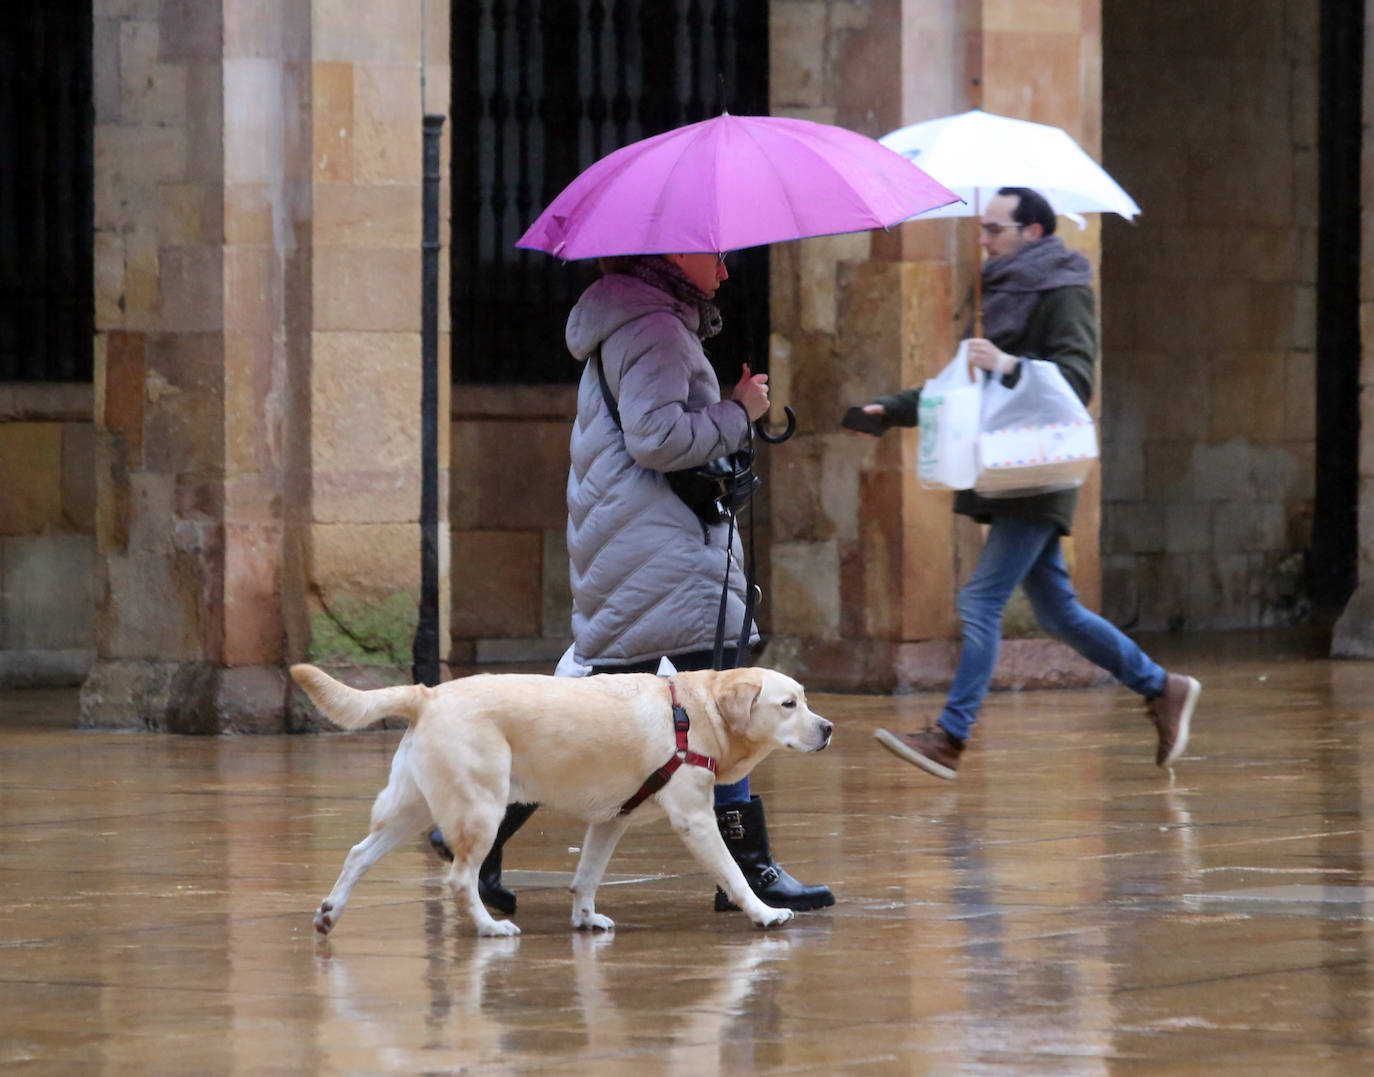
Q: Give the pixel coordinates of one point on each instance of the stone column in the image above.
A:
(865, 563)
(1353, 635)
(257, 352)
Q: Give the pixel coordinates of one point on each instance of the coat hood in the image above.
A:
(610, 303)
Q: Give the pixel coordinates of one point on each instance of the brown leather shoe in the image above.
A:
(1172, 714)
(932, 749)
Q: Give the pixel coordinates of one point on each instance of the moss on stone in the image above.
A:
(365, 632)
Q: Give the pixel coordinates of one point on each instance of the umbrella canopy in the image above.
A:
(732, 182)
(975, 153)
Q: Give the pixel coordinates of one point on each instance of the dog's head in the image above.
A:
(763, 705)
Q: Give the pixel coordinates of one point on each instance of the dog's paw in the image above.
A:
(773, 917)
(592, 922)
(498, 929)
(324, 922)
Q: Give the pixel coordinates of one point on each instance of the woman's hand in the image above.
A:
(986, 354)
(752, 392)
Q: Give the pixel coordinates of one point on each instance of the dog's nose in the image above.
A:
(827, 728)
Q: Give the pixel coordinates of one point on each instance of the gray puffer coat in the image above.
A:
(646, 572)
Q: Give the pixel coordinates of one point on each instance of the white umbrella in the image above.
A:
(976, 152)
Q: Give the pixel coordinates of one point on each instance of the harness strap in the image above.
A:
(659, 778)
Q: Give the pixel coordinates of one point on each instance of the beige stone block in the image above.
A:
(248, 213)
(252, 289)
(142, 280)
(253, 408)
(253, 28)
(129, 164)
(252, 499)
(510, 476)
(205, 121)
(1035, 77)
(254, 632)
(1300, 396)
(78, 476)
(192, 284)
(254, 106)
(368, 289)
(1034, 16)
(108, 257)
(348, 215)
(151, 91)
(367, 495)
(183, 410)
(122, 376)
(107, 89)
(366, 561)
(31, 492)
(190, 30)
(805, 592)
(153, 607)
(555, 614)
(190, 214)
(1247, 393)
(332, 89)
(438, 94)
(387, 146)
(496, 584)
(819, 263)
(365, 402)
(373, 31)
(796, 38)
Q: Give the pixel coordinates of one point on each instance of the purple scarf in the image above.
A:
(1012, 285)
(666, 277)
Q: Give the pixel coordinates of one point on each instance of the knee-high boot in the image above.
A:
(489, 886)
(746, 836)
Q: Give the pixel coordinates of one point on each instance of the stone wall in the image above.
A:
(257, 189)
(47, 524)
(866, 564)
(1208, 302)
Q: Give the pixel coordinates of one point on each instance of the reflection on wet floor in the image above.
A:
(1063, 908)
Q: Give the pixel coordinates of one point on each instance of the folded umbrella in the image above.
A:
(732, 182)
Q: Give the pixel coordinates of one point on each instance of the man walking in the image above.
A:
(1037, 304)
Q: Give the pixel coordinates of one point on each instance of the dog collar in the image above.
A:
(659, 778)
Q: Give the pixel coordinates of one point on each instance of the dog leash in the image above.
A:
(659, 778)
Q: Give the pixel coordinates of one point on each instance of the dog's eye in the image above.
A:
(789, 703)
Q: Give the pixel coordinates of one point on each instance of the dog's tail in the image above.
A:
(351, 708)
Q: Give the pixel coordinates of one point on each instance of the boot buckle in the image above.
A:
(732, 825)
(769, 875)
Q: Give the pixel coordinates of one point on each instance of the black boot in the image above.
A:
(489, 887)
(742, 827)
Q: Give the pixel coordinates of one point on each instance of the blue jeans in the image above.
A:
(1027, 552)
(726, 796)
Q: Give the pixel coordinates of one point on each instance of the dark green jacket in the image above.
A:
(1063, 329)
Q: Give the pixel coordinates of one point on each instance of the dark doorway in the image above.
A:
(543, 88)
(46, 177)
(1340, 133)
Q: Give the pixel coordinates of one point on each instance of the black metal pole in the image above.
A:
(426, 654)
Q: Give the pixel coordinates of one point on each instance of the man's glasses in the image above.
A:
(992, 228)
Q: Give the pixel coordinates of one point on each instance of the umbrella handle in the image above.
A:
(788, 431)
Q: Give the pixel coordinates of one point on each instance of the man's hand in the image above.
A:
(752, 392)
(987, 355)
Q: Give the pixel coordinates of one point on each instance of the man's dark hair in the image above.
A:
(1031, 209)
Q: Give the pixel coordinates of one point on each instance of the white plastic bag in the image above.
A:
(1036, 436)
(948, 414)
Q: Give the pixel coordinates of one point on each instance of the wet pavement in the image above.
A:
(1064, 907)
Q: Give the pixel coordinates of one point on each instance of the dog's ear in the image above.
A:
(736, 695)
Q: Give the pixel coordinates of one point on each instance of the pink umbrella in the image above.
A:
(731, 182)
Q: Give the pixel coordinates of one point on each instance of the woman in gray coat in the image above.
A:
(646, 571)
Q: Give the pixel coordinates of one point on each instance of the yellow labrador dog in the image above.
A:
(593, 747)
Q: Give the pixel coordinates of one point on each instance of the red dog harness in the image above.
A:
(659, 778)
